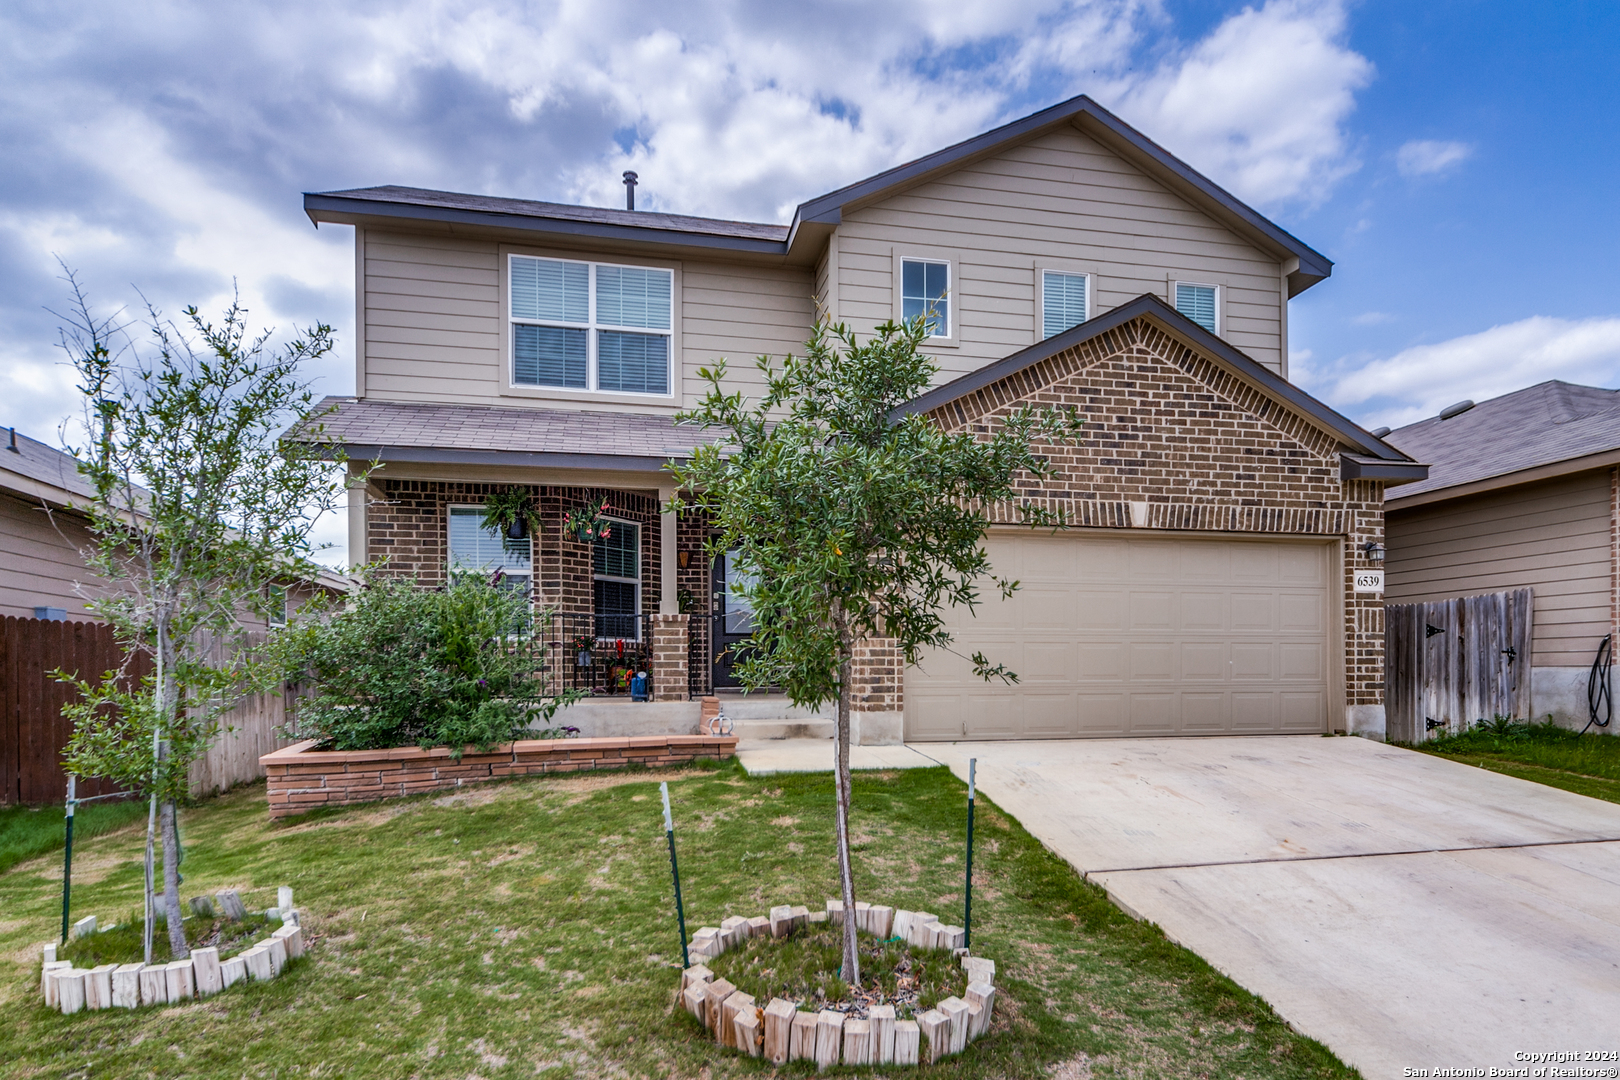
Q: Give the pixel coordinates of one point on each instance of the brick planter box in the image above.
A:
(300, 779)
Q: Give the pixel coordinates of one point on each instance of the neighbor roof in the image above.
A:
(1552, 424)
(32, 468)
(813, 219)
(493, 435)
(1370, 458)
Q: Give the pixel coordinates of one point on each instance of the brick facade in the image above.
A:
(1173, 437)
(408, 527)
(670, 657)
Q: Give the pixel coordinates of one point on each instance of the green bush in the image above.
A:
(456, 666)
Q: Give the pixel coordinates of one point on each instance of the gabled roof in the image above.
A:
(800, 240)
(1368, 457)
(495, 435)
(1551, 428)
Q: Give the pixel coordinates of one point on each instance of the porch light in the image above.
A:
(683, 559)
(1373, 550)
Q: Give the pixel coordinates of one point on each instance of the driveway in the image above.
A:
(1409, 912)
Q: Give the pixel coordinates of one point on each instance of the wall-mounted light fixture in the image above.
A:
(683, 559)
(1373, 550)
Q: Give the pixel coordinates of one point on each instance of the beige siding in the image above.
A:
(1061, 201)
(1552, 537)
(39, 559)
(433, 319)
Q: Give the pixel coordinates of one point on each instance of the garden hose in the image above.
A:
(1599, 695)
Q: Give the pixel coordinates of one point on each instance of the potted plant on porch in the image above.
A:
(510, 511)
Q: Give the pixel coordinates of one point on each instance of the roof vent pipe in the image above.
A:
(13, 447)
(1455, 410)
(1379, 432)
(629, 190)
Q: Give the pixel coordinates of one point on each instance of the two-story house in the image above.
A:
(1220, 511)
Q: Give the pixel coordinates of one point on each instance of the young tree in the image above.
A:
(855, 522)
(196, 514)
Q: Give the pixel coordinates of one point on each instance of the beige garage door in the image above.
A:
(1117, 635)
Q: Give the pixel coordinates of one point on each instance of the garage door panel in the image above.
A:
(1153, 713)
(1205, 713)
(1152, 661)
(1203, 611)
(1254, 661)
(1203, 661)
(1116, 635)
(1049, 716)
(1152, 610)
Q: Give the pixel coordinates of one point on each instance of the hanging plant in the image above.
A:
(510, 511)
(587, 524)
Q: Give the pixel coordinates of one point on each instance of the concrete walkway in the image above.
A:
(766, 757)
(1409, 912)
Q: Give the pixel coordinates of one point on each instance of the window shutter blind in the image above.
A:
(627, 296)
(474, 548)
(551, 290)
(1197, 302)
(1063, 302)
(618, 555)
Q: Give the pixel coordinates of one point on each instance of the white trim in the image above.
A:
(1044, 268)
(952, 262)
(1220, 300)
(511, 388)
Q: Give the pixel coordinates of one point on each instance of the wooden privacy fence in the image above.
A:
(1452, 663)
(33, 732)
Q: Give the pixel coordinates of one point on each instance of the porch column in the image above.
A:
(669, 602)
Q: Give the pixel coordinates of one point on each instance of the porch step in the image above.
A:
(811, 728)
(747, 707)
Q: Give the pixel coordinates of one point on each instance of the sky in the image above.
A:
(1456, 160)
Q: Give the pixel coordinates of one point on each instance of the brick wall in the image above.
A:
(408, 527)
(1203, 450)
(299, 779)
(669, 657)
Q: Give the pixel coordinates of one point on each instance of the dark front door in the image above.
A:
(731, 624)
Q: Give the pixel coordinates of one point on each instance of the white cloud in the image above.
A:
(1373, 318)
(1260, 104)
(1428, 157)
(1420, 381)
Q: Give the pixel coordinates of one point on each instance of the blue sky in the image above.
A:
(1456, 160)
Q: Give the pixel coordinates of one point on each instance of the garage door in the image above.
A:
(1115, 635)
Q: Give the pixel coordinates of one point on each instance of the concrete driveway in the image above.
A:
(1409, 912)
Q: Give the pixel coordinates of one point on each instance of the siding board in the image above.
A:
(1551, 536)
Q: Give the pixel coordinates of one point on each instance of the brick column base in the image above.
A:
(669, 657)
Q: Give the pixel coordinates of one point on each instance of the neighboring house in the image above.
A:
(1066, 258)
(43, 531)
(1523, 492)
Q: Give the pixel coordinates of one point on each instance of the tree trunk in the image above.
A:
(846, 878)
(178, 949)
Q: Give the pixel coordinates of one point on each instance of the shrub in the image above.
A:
(456, 666)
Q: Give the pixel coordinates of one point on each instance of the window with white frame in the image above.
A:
(276, 609)
(925, 286)
(1065, 301)
(477, 550)
(1200, 303)
(616, 565)
(590, 326)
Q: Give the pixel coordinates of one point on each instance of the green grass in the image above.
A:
(804, 969)
(528, 929)
(27, 831)
(1544, 753)
(125, 943)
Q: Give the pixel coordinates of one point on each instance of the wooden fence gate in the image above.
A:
(1451, 663)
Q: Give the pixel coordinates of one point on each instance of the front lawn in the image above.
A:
(1545, 753)
(527, 929)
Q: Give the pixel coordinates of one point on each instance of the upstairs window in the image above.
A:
(1065, 301)
(591, 326)
(616, 562)
(277, 607)
(477, 550)
(925, 287)
(1200, 303)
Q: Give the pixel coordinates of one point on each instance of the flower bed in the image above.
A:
(300, 778)
(891, 1023)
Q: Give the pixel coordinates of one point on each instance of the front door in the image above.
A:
(733, 620)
